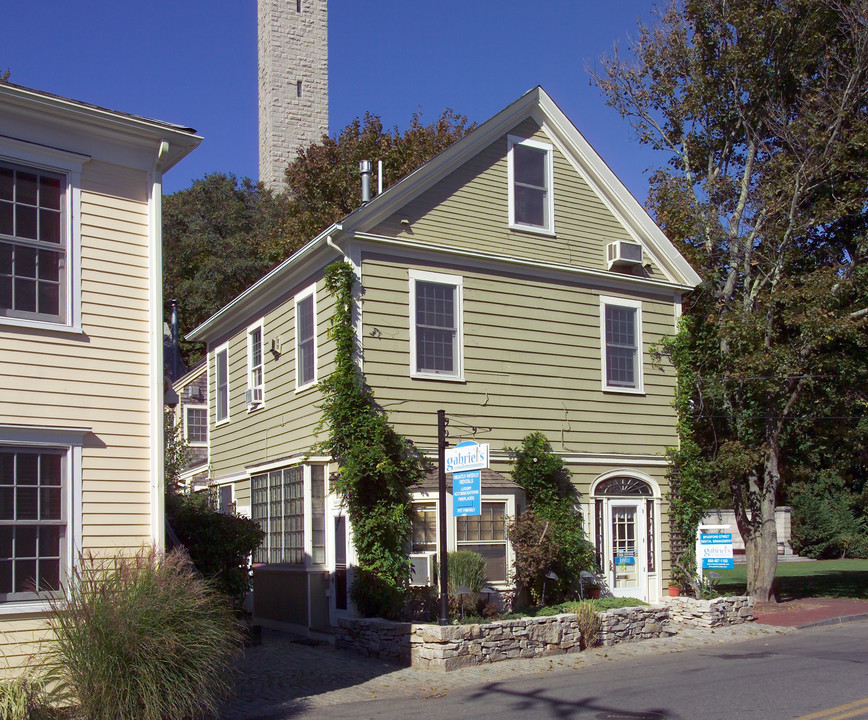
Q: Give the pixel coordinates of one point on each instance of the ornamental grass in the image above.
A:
(142, 638)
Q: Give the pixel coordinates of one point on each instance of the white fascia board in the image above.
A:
(615, 193)
(268, 288)
(482, 260)
(442, 164)
(106, 124)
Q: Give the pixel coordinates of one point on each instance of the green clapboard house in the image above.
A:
(512, 281)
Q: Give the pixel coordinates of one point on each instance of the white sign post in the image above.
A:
(713, 549)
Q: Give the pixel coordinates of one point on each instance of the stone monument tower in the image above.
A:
(293, 82)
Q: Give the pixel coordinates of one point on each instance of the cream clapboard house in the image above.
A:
(81, 367)
(513, 282)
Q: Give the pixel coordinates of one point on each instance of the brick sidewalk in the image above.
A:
(805, 612)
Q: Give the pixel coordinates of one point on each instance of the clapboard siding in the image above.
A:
(284, 424)
(532, 361)
(98, 379)
(470, 209)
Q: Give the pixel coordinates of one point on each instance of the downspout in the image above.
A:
(156, 375)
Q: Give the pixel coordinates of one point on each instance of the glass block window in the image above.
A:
(33, 244)
(317, 510)
(486, 534)
(305, 341)
(277, 505)
(436, 328)
(32, 521)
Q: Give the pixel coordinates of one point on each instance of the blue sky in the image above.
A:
(193, 62)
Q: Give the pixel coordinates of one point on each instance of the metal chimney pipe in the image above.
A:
(365, 170)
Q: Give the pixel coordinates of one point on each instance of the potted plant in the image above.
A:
(674, 590)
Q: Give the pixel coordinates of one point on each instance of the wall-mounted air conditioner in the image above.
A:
(421, 569)
(253, 396)
(623, 254)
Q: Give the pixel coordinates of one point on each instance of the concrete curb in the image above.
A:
(833, 621)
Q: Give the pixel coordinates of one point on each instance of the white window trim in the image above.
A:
(303, 295)
(69, 165)
(184, 409)
(640, 341)
(458, 282)
(217, 420)
(52, 437)
(259, 325)
(512, 141)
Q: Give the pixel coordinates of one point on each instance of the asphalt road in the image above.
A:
(815, 674)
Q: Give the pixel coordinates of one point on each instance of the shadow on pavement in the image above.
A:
(538, 704)
(276, 679)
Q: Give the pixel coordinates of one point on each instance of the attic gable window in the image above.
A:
(531, 199)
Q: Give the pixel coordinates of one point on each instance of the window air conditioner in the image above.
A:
(421, 569)
(622, 253)
(253, 396)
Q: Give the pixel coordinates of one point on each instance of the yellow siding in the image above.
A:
(284, 424)
(469, 209)
(98, 379)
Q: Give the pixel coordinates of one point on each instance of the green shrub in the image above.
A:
(825, 522)
(536, 552)
(219, 545)
(552, 497)
(465, 568)
(142, 638)
(375, 595)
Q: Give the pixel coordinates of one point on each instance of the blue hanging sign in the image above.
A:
(466, 493)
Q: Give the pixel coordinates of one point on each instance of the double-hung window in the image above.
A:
(33, 520)
(531, 198)
(221, 382)
(436, 337)
(255, 367)
(305, 338)
(196, 425)
(621, 344)
(34, 253)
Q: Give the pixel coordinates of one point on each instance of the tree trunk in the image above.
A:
(761, 545)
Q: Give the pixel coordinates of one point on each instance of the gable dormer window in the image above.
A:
(531, 200)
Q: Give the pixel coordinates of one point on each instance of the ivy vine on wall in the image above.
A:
(377, 465)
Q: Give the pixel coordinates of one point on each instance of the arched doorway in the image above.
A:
(626, 534)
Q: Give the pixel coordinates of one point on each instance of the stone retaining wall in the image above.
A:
(449, 647)
(631, 624)
(685, 611)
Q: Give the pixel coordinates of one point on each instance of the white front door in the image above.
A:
(626, 548)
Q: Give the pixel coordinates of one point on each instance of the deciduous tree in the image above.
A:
(760, 106)
(221, 235)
